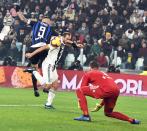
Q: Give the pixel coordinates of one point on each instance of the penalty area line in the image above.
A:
(17, 105)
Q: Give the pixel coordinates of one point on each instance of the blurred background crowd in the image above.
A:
(103, 26)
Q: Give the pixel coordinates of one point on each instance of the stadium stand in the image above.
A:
(103, 26)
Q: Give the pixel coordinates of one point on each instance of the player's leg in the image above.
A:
(34, 66)
(35, 75)
(34, 81)
(109, 104)
(81, 94)
(52, 79)
(39, 78)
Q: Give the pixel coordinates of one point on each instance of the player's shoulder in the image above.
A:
(44, 24)
(94, 72)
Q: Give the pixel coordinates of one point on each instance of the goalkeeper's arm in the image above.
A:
(98, 106)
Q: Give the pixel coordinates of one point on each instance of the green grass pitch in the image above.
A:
(21, 111)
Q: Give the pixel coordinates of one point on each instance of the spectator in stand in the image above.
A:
(134, 50)
(41, 16)
(143, 50)
(12, 33)
(142, 4)
(1, 21)
(3, 10)
(76, 66)
(129, 61)
(34, 16)
(70, 13)
(94, 51)
(14, 53)
(94, 31)
(8, 19)
(71, 28)
(123, 41)
(48, 11)
(31, 5)
(132, 56)
(107, 44)
(101, 59)
(42, 4)
(92, 15)
(7, 44)
(2, 50)
(27, 41)
(83, 30)
(121, 55)
(8, 61)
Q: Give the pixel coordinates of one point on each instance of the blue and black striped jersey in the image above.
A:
(41, 32)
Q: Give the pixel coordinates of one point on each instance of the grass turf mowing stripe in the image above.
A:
(21, 105)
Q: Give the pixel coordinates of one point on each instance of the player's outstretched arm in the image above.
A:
(75, 44)
(22, 17)
(29, 55)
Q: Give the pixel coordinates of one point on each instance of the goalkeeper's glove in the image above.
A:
(97, 108)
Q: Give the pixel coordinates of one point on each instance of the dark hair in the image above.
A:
(113, 69)
(94, 64)
(66, 33)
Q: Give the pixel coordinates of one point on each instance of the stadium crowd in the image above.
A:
(103, 26)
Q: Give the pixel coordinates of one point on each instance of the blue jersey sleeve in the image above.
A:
(32, 23)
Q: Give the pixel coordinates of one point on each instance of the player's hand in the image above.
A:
(80, 45)
(17, 8)
(97, 108)
(28, 55)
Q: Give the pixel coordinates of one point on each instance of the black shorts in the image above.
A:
(38, 58)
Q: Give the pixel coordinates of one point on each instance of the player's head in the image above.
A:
(47, 21)
(67, 37)
(94, 65)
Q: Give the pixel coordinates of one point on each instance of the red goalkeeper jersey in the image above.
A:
(100, 79)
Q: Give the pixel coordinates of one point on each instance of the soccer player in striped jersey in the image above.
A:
(50, 76)
(41, 34)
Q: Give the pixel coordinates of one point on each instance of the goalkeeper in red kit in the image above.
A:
(99, 85)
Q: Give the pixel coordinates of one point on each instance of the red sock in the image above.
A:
(119, 116)
(82, 101)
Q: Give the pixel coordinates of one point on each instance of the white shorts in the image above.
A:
(49, 73)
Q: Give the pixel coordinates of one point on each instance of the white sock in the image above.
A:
(39, 77)
(51, 96)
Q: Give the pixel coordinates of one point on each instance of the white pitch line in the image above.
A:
(21, 105)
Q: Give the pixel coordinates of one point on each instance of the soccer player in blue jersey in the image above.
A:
(41, 35)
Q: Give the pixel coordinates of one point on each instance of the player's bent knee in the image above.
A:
(55, 84)
(108, 114)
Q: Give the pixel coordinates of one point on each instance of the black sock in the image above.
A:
(86, 115)
(34, 81)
